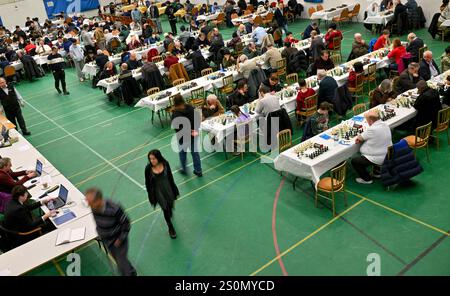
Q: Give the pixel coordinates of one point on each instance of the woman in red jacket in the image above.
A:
(397, 52)
(303, 93)
(331, 34)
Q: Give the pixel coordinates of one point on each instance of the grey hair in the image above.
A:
(413, 66)
(4, 162)
(243, 58)
(385, 86)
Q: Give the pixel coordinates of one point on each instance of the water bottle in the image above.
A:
(221, 67)
(382, 7)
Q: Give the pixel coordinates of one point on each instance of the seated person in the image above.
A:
(134, 42)
(303, 93)
(323, 63)
(267, 102)
(235, 40)
(358, 68)
(428, 67)
(228, 59)
(240, 96)
(320, 119)
(290, 38)
(19, 216)
(272, 56)
(251, 51)
(327, 87)
(359, 47)
(444, 91)
(241, 31)
(408, 79)
(170, 60)
(273, 83)
(382, 41)
(311, 27)
(133, 63)
(241, 118)
(382, 94)
(154, 38)
(332, 33)
(415, 43)
(9, 179)
(427, 105)
(178, 48)
(397, 52)
(201, 41)
(108, 71)
(374, 141)
(101, 59)
(212, 107)
(445, 60)
(245, 66)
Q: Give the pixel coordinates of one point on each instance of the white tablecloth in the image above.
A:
(246, 19)
(379, 19)
(208, 17)
(329, 15)
(446, 23)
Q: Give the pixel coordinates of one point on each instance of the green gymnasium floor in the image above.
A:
(241, 218)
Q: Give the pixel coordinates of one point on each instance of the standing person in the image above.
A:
(161, 187)
(77, 54)
(99, 37)
(153, 13)
(186, 122)
(56, 64)
(86, 38)
(170, 12)
(11, 100)
(113, 227)
(136, 15)
(280, 18)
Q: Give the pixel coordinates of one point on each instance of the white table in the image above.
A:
(446, 23)
(208, 17)
(245, 19)
(380, 19)
(329, 15)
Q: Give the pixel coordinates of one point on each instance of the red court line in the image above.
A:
(274, 228)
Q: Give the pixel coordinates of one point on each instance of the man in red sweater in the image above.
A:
(382, 41)
(170, 60)
(8, 178)
(331, 34)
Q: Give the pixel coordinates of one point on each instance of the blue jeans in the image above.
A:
(195, 155)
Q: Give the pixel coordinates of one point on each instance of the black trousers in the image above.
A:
(360, 164)
(168, 217)
(15, 116)
(173, 26)
(120, 255)
(60, 76)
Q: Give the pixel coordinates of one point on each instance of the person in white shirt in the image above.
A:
(246, 65)
(374, 141)
(267, 102)
(42, 48)
(77, 55)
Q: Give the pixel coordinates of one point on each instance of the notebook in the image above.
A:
(70, 235)
(64, 218)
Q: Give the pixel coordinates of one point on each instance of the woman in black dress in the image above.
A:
(161, 186)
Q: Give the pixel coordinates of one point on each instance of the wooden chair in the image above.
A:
(9, 72)
(332, 185)
(12, 238)
(169, 108)
(170, 47)
(242, 137)
(336, 58)
(284, 140)
(308, 111)
(198, 97)
(152, 91)
(342, 18)
(319, 7)
(359, 109)
(292, 78)
(220, 20)
(277, 37)
(250, 8)
(178, 81)
(358, 90)
(157, 59)
(337, 46)
(421, 51)
(371, 76)
(311, 10)
(258, 20)
(281, 67)
(442, 124)
(227, 88)
(268, 19)
(247, 12)
(420, 139)
(395, 82)
(354, 12)
(206, 71)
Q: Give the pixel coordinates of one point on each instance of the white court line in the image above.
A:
(89, 148)
(84, 129)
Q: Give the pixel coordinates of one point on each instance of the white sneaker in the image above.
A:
(81, 79)
(378, 176)
(362, 181)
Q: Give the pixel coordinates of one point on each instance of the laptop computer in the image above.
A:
(60, 201)
(39, 167)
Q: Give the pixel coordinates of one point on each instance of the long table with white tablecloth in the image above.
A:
(329, 14)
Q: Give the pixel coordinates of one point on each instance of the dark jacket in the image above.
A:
(236, 98)
(414, 47)
(9, 101)
(432, 29)
(30, 66)
(149, 184)
(280, 18)
(198, 61)
(425, 72)
(189, 113)
(307, 130)
(276, 88)
(299, 62)
(18, 217)
(129, 87)
(134, 64)
(445, 92)
(327, 88)
(151, 76)
(342, 101)
(57, 66)
(427, 105)
(406, 82)
(257, 76)
(308, 30)
(112, 223)
(401, 166)
(284, 123)
(321, 64)
(101, 60)
(359, 49)
(380, 98)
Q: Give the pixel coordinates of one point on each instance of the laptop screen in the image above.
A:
(63, 193)
(38, 167)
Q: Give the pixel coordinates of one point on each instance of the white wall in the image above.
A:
(16, 13)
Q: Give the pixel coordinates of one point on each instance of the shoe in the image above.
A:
(172, 233)
(26, 133)
(183, 172)
(362, 181)
(59, 91)
(236, 153)
(66, 93)
(378, 176)
(198, 174)
(81, 79)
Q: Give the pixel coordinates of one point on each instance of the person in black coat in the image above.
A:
(240, 96)
(399, 8)
(427, 105)
(327, 87)
(151, 76)
(186, 123)
(273, 83)
(198, 60)
(161, 187)
(10, 102)
(242, 6)
(311, 27)
(428, 67)
(280, 18)
(323, 62)
(18, 213)
(415, 43)
(170, 12)
(408, 79)
(101, 59)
